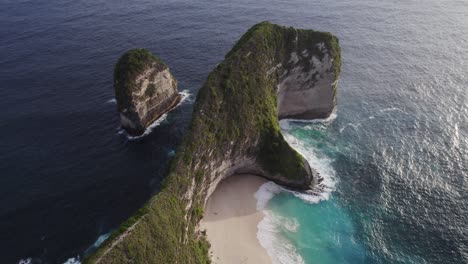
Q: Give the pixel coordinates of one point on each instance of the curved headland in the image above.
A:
(272, 72)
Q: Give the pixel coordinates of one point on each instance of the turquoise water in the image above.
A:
(365, 210)
(394, 160)
(325, 232)
(327, 226)
(316, 227)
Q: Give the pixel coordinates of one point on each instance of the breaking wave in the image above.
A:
(285, 123)
(97, 243)
(148, 130)
(280, 250)
(186, 97)
(75, 260)
(321, 164)
(111, 101)
(270, 227)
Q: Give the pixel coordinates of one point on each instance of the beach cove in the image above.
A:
(231, 220)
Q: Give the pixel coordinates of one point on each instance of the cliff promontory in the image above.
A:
(144, 89)
(272, 72)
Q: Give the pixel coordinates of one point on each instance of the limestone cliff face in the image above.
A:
(272, 72)
(307, 86)
(145, 89)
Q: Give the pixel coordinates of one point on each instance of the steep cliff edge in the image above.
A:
(234, 130)
(144, 89)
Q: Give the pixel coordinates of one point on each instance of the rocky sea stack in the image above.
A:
(272, 72)
(145, 89)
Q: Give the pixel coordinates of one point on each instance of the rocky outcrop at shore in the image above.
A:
(307, 86)
(272, 72)
(145, 89)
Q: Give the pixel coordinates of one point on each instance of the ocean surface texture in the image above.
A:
(394, 157)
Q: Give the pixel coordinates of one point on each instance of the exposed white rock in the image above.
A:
(145, 94)
(306, 88)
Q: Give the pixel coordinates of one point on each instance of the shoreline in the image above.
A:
(184, 95)
(231, 221)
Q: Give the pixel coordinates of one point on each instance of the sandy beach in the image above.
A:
(231, 221)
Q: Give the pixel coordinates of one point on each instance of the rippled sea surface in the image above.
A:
(396, 155)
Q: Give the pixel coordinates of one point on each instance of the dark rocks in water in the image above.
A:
(145, 89)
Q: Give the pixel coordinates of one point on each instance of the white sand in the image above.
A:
(231, 221)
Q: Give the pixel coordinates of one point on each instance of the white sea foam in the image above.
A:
(353, 125)
(265, 193)
(101, 239)
(391, 109)
(291, 224)
(73, 261)
(280, 250)
(284, 123)
(148, 130)
(185, 97)
(25, 261)
(111, 101)
(321, 164)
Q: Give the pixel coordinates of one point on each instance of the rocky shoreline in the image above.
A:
(271, 72)
(145, 89)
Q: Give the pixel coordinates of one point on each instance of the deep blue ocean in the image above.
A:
(395, 157)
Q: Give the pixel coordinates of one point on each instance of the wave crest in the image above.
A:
(280, 250)
(185, 97)
(272, 225)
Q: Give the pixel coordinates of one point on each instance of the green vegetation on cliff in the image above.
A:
(235, 117)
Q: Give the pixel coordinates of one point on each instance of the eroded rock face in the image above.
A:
(145, 89)
(307, 87)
